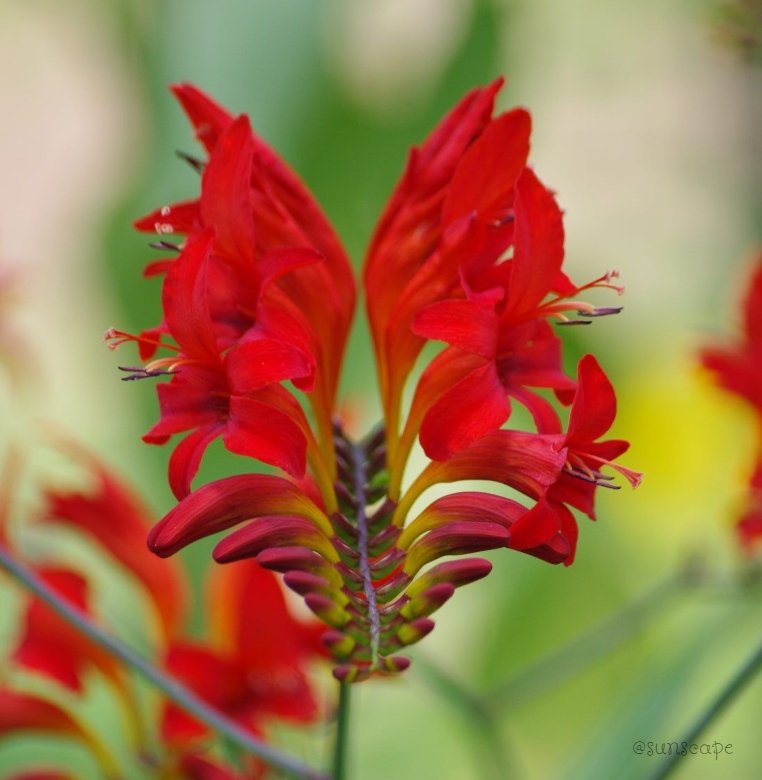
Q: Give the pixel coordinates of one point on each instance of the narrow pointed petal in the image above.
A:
(259, 430)
(489, 169)
(186, 458)
(184, 218)
(225, 193)
(539, 245)
(594, 407)
(209, 119)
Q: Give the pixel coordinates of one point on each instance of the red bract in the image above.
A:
(738, 369)
(469, 252)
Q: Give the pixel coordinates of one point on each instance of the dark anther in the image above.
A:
(194, 162)
(574, 322)
(137, 372)
(603, 311)
(164, 245)
(596, 478)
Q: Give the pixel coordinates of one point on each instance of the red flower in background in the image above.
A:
(737, 368)
(469, 251)
(252, 665)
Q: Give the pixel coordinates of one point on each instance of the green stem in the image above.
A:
(342, 734)
(173, 689)
(737, 683)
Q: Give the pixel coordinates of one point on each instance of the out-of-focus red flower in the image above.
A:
(254, 666)
(114, 517)
(737, 367)
(50, 645)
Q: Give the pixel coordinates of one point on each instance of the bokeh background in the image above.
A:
(647, 123)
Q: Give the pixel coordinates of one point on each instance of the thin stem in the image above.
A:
(737, 683)
(172, 688)
(342, 733)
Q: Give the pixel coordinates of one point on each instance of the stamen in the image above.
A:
(596, 478)
(194, 162)
(164, 245)
(138, 372)
(117, 337)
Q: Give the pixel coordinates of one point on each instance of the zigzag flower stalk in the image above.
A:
(468, 252)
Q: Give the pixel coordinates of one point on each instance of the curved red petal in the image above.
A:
(259, 430)
(208, 118)
(470, 409)
(224, 503)
(488, 171)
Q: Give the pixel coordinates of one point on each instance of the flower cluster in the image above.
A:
(468, 252)
(737, 368)
(236, 669)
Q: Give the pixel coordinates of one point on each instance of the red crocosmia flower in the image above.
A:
(501, 320)
(275, 215)
(738, 369)
(469, 251)
(116, 519)
(254, 669)
(51, 646)
(232, 394)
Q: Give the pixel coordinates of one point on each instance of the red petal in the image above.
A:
(594, 407)
(489, 169)
(473, 407)
(261, 431)
(455, 538)
(464, 324)
(252, 619)
(186, 458)
(539, 245)
(254, 364)
(224, 503)
(123, 535)
(185, 300)
(226, 203)
(185, 405)
(209, 118)
(24, 711)
(528, 462)
(266, 532)
(216, 679)
(182, 217)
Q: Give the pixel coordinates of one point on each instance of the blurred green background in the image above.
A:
(647, 123)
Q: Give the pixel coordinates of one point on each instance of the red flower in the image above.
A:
(738, 369)
(469, 251)
(254, 668)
